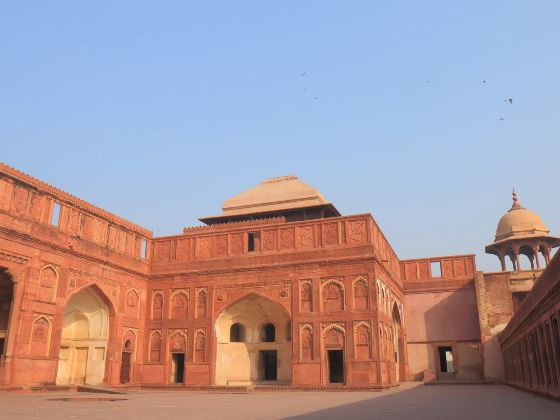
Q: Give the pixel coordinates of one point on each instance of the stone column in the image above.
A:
(536, 252)
(502, 258)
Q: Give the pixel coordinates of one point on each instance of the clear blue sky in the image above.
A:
(159, 111)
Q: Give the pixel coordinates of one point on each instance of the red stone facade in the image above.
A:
(294, 295)
(155, 303)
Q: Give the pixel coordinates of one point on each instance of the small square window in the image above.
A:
(436, 268)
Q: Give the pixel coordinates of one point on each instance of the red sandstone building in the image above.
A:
(279, 289)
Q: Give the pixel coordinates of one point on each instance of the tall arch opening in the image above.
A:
(6, 299)
(252, 344)
(398, 344)
(83, 347)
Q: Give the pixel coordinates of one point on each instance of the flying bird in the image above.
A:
(501, 119)
(302, 74)
(510, 100)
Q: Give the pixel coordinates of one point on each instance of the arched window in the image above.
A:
(237, 333)
(268, 333)
(127, 345)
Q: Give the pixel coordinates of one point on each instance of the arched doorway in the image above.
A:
(398, 344)
(252, 342)
(6, 299)
(83, 347)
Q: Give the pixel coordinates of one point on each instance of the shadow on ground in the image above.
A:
(449, 402)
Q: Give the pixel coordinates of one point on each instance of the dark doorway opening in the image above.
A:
(269, 365)
(178, 360)
(445, 359)
(336, 366)
(125, 367)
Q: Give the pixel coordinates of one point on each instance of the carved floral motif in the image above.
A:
(287, 238)
(357, 231)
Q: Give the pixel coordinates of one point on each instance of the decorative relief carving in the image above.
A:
(132, 303)
(36, 206)
(121, 245)
(87, 231)
(201, 303)
(287, 238)
(179, 305)
(269, 240)
(183, 248)
(157, 305)
(155, 346)
(6, 256)
(333, 337)
(357, 231)
(20, 200)
(220, 244)
(129, 248)
(333, 296)
(204, 247)
(305, 236)
(74, 221)
(236, 242)
(6, 189)
(162, 251)
(40, 337)
(363, 341)
(331, 233)
(360, 294)
(178, 341)
(306, 342)
(199, 345)
(48, 279)
(99, 231)
(306, 297)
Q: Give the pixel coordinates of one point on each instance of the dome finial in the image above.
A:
(515, 205)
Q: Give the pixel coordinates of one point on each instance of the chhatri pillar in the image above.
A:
(522, 232)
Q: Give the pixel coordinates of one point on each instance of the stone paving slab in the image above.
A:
(410, 401)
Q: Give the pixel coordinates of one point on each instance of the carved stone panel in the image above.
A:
(204, 247)
(183, 248)
(331, 233)
(306, 343)
(40, 337)
(220, 244)
(155, 346)
(305, 236)
(20, 200)
(236, 243)
(6, 190)
(357, 231)
(162, 251)
(36, 207)
(287, 238)
(269, 240)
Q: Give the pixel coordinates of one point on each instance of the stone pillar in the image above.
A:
(536, 252)
(502, 258)
(512, 259)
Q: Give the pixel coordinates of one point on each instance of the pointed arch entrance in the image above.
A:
(252, 343)
(85, 332)
(398, 344)
(6, 300)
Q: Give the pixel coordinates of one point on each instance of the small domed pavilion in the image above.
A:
(521, 231)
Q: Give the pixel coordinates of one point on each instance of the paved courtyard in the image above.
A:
(411, 401)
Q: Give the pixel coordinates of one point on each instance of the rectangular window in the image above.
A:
(436, 268)
(143, 249)
(253, 241)
(55, 218)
